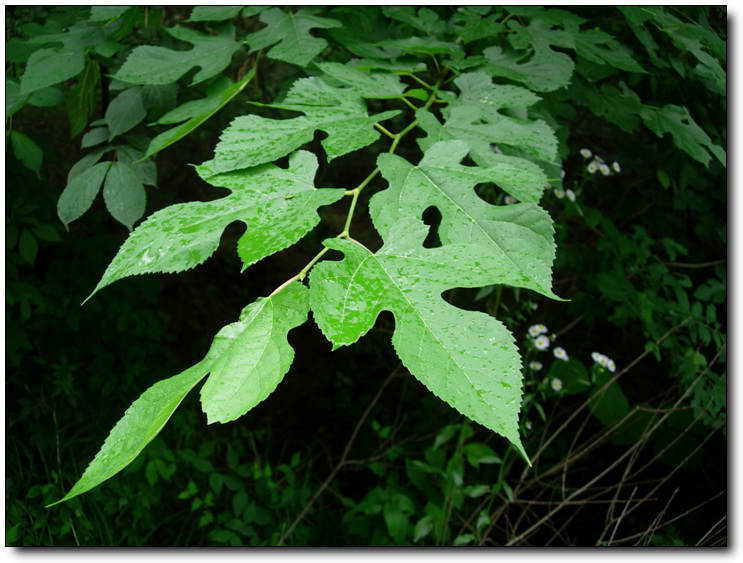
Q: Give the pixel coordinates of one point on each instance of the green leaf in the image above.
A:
(687, 135)
(125, 111)
(426, 20)
(28, 247)
(621, 108)
(81, 98)
(423, 46)
(546, 70)
(157, 65)
(47, 67)
(27, 151)
(197, 112)
(340, 112)
(365, 84)
(124, 194)
(290, 35)
(94, 137)
(475, 117)
(257, 357)
(141, 423)
(466, 358)
(518, 238)
(80, 192)
(279, 206)
(214, 13)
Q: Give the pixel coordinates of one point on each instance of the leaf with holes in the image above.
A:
(289, 33)
(518, 238)
(469, 359)
(158, 65)
(278, 206)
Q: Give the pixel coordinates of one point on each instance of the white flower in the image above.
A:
(560, 354)
(593, 166)
(559, 193)
(536, 330)
(585, 153)
(510, 200)
(604, 361)
(598, 159)
(562, 173)
(556, 384)
(615, 166)
(570, 194)
(605, 170)
(535, 366)
(528, 424)
(542, 343)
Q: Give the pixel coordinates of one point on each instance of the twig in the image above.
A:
(342, 461)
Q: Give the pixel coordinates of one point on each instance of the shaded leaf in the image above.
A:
(157, 65)
(124, 194)
(197, 112)
(47, 67)
(289, 33)
(125, 111)
(81, 98)
(80, 192)
(27, 151)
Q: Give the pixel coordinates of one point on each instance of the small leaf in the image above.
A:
(290, 35)
(27, 246)
(258, 355)
(27, 151)
(125, 112)
(80, 192)
(124, 194)
(81, 98)
(95, 137)
(214, 13)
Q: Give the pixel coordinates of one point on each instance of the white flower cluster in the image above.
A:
(604, 361)
(598, 164)
(538, 334)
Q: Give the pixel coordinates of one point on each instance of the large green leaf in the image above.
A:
(467, 358)
(290, 34)
(278, 206)
(340, 112)
(258, 355)
(518, 238)
(157, 65)
(247, 360)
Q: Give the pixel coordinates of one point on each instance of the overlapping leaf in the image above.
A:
(252, 140)
(517, 238)
(290, 35)
(278, 206)
(196, 112)
(467, 358)
(246, 360)
(149, 64)
(475, 118)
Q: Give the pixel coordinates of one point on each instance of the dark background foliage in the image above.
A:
(641, 257)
